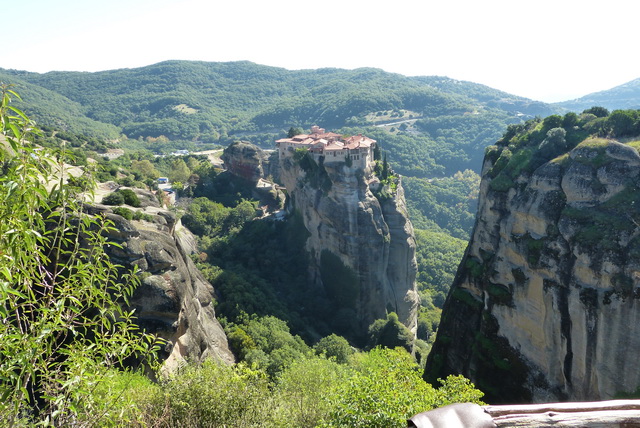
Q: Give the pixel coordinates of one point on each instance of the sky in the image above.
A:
(546, 50)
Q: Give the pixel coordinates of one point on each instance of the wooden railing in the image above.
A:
(600, 414)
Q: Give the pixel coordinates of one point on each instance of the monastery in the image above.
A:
(330, 146)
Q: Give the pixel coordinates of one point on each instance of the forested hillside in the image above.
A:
(220, 102)
(429, 127)
(626, 96)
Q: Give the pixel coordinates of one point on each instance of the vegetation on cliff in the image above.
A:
(557, 228)
(62, 302)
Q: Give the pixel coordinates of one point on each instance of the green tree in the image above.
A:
(179, 171)
(62, 323)
(597, 111)
(385, 389)
(294, 131)
(144, 169)
(334, 346)
(390, 333)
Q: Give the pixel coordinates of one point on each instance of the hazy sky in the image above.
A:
(548, 50)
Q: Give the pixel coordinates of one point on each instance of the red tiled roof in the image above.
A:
(330, 140)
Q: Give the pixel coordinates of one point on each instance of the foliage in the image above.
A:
(381, 388)
(443, 205)
(304, 388)
(334, 347)
(266, 343)
(438, 256)
(524, 148)
(213, 395)
(63, 323)
(390, 333)
(207, 218)
(124, 212)
(113, 198)
(122, 196)
(386, 389)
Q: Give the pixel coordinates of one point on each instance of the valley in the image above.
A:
(351, 269)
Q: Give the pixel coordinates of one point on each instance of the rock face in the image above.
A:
(173, 300)
(362, 251)
(545, 305)
(245, 160)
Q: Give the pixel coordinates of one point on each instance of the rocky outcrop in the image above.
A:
(250, 162)
(362, 249)
(545, 305)
(173, 299)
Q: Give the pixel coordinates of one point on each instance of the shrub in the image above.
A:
(124, 212)
(390, 333)
(130, 198)
(114, 198)
(334, 346)
(60, 297)
(385, 389)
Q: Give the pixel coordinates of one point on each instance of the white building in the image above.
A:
(333, 147)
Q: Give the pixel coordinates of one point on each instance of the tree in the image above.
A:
(294, 131)
(390, 333)
(334, 346)
(597, 111)
(62, 322)
(179, 171)
(623, 122)
(144, 169)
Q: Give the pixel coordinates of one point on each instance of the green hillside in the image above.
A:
(223, 102)
(626, 96)
(430, 127)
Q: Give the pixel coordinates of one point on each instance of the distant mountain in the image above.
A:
(434, 125)
(626, 96)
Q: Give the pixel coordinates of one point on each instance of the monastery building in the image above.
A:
(330, 146)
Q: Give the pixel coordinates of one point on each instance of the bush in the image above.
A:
(114, 198)
(124, 212)
(130, 198)
(390, 333)
(213, 395)
(335, 347)
(385, 389)
(62, 323)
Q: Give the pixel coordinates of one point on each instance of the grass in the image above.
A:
(598, 145)
(183, 108)
(635, 144)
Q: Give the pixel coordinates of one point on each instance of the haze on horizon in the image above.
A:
(547, 50)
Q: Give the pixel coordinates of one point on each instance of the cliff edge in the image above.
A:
(545, 304)
(361, 247)
(173, 300)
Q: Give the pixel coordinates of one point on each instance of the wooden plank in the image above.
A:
(616, 413)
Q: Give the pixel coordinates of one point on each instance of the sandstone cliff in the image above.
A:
(545, 303)
(173, 300)
(362, 250)
(248, 161)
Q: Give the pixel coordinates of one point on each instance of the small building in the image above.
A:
(330, 146)
(163, 180)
